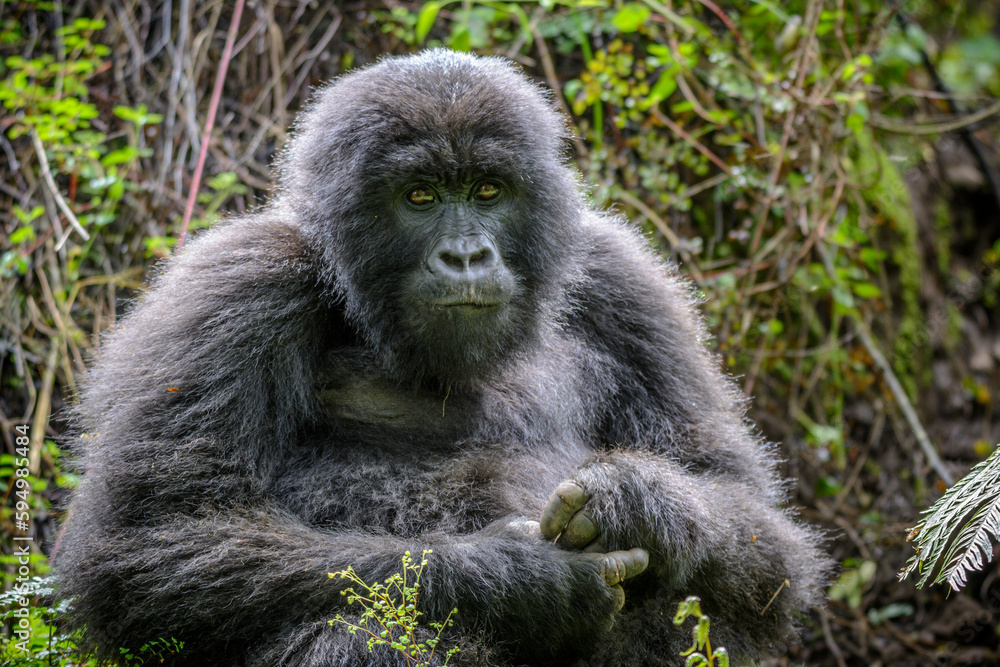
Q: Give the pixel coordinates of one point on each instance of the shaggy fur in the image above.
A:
(279, 407)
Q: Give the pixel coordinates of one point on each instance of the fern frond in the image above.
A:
(956, 535)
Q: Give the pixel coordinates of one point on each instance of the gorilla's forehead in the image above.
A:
(454, 158)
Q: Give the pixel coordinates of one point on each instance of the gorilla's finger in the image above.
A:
(619, 596)
(595, 547)
(617, 566)
(580, 531)
(568, 498)
(528, 528)
(618, 601)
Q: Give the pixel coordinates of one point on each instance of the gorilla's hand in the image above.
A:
(566, 517)
(614, 567)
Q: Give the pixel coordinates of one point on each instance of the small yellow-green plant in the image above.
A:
(390, 617)
(700, 654)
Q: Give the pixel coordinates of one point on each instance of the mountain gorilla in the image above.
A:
(428, 340)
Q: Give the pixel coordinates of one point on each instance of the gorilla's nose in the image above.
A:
(463, 258)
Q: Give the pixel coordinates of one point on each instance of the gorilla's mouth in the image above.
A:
(471, 304)
(469, 298)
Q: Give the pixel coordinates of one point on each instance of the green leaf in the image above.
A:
(117, 190)
(866, 291)
(222, 181)
(126, 113)
(773, 327)
(889, 612)
(461, 40)
(23, 235)
(828, 486)
(24, 217)
(664, 88)
(701, 631)
(690, 606)
(843, 296)
(120, 156)
(630, 17)
(851, 584)
(661, 52)
(426, 18)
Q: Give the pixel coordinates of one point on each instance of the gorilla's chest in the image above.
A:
(406, 461)
(394, 490)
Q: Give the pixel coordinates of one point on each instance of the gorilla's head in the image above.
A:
(436, 189)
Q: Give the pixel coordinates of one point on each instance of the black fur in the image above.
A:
(279, 406)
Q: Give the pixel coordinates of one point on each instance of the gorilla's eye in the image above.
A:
(420, 196)
(487, 191)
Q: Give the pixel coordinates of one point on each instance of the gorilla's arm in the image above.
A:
(226, 581)
(681, 476)
(189, 411)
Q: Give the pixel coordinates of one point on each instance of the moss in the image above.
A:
(887, 195)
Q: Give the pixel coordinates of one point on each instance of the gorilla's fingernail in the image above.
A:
(562, 505)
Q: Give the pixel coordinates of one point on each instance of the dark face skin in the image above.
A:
(462, 277)
(451, 258)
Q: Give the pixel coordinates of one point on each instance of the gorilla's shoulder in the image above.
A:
(627, 296)
(620, 269)
(251, 277)
(250, 246)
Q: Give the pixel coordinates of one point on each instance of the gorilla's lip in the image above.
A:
(467, 297)
(476, 304)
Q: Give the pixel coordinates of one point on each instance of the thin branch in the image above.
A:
(894, 384)
(550, 75)
(700, 147)
(63, 205)
(884, 123)
(664, 228)
(904, 403)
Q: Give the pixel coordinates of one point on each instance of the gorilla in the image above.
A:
(429, 339)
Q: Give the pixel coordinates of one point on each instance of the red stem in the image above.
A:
(213, 107)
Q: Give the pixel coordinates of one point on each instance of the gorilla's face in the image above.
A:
(459, 298)
(457, 295)
(445, 213)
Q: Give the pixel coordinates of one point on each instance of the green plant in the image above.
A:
(49, 100)
(855, 578)
(223, 186)
(700, 654)
(956, 534)
(475, 23)
(37, 638)
(390, 617)
(152, 652)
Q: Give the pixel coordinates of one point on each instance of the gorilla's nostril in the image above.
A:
(480, 256)
(463, 257)
(452, 260)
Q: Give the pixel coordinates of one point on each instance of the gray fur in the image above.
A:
(316, 424)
